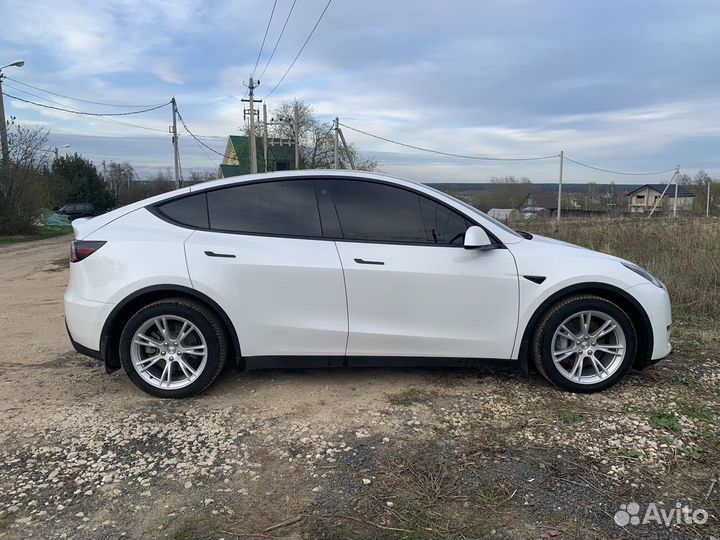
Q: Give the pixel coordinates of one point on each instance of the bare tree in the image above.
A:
(317, 139)
(23, 180)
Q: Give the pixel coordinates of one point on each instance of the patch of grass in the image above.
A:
(569, 417)
(411, 396)
(696, 411)
(684, 380)
(42, 233)
(682, 252)
(693, 453)
(667, 439)
(626, 452)
(665, 420)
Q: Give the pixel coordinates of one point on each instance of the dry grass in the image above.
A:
(684, 253)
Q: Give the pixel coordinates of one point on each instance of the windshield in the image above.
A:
(481, 214)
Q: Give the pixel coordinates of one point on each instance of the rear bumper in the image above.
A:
(82, 349)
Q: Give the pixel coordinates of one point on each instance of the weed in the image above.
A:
(684, 380)
(696, 411)
(569, 417)
(665, 420)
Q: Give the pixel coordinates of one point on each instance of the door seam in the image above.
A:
(347, 302)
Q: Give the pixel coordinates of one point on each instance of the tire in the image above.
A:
(194, 361)
(566, 362)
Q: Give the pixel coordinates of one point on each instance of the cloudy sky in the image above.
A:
(624, 85)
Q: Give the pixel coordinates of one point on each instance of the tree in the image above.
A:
(23, 180)
(317, 139)
(79, 181)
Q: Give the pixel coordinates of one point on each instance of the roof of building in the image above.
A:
(231, 170)
(541, 199)
(682, 192)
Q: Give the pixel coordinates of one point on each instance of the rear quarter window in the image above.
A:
(190, 211)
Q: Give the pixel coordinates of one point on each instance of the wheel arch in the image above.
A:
(114, 324)
(622, 298)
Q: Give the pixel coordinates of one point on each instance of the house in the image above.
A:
(643, 199)
(281, 156)
(504, 214)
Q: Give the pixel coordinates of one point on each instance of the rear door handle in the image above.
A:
(363, 261)
(213, 254)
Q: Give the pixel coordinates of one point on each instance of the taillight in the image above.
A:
(81, 249)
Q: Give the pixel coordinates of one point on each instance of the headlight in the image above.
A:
(642, 272)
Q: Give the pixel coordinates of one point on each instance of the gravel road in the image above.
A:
(339, 453)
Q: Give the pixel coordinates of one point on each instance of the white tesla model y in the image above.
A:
(343, 268)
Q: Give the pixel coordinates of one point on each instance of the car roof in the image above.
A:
(313, 173)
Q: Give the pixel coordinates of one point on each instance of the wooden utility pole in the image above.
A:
(3, 128)
(173, 130)
(677, 177)
(347, 149)
(559, 208)
(707, 203)
(251, 111)
(336, 124)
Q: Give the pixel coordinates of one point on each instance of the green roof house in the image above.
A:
(281, 156)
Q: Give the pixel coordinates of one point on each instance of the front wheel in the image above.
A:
(173, 348)
(584, 344)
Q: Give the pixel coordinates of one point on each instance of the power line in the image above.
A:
(300, 51)
(482, 158)
(78, 99)
(264, 38)
(618, 172)
(278, 40)
(99, 117)
(182, 121)
(85, 113)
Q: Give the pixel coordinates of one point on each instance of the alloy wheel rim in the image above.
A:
(168, 352)
(588, 347)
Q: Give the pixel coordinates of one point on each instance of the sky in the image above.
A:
(628, 85)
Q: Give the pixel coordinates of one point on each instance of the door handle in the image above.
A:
(363, 261)
(213, 254)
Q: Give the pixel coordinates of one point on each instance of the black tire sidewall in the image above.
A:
(565, 311)
(187, 311)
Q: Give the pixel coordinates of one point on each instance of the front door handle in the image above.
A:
(213, 254)
(363, 261)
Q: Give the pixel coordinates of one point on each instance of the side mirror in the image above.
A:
(477, 238)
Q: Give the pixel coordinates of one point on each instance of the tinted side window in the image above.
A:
(190, 211)
(286, 208)
(444, 226)
(370, 211)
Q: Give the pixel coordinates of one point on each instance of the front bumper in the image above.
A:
(656, 303)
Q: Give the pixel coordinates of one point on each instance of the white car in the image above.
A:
(344, 268)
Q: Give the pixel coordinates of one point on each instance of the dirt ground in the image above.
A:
(341, 453)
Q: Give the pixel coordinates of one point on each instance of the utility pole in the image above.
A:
(251, 111)
(296, 129)
(677, 177)
(3, 123)
(347, 149)
(335, 162)
(559, 208)
(265, 137)
(173, 130)
(707, 203)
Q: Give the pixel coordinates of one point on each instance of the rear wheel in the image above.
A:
(173, 348)
(584, 344)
